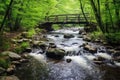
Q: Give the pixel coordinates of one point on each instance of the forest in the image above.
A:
(21, 33)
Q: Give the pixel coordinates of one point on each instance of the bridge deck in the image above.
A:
(66, 19)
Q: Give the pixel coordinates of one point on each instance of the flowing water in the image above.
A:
(80, 68)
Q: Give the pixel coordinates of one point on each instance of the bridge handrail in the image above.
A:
(66, 18)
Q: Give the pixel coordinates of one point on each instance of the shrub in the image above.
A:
(21, 47)
(113, 38)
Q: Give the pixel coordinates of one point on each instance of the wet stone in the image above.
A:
(68, 60)
(68, 36)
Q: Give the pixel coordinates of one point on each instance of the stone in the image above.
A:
(35, 43)
(55, 53)
(81, 31)
(117, 48)
(12, 55)
(28, 49)
(2, 70)
(97, 40)
(15, 63)
(99, 58)
(25, 39)
(24, 60)
(20, 41)
(80, 36)
(56, 35)
(116, 54)
(109, 47)
(111, 51)
(103, 56)
(14, 41)
(68, 60)
(86, 38)
(25, 55)
(52, 45)
(68, 36)
(90, 48)
(9, 78)
(24, 34)
(10, 70)
(98, 62)
(43, 45)
(117, 59)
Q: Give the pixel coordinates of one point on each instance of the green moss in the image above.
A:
(21, 47)
(31, 32)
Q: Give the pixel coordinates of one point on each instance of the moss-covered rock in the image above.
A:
(55, 53)
(12, 55)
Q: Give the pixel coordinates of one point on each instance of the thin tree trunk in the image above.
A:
(117, 14)
(81, 6)
(10, 20)
(116, 9)
(7, 11)
(107, 6)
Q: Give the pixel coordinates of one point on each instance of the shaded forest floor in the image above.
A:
(6, 40)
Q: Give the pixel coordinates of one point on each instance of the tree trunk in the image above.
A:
(7, 11)
(97, 16)
(10, 20)
(117, 13)
(107, 7)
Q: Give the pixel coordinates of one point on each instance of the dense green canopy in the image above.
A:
(26, 14)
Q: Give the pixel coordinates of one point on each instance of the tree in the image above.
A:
(5, 16)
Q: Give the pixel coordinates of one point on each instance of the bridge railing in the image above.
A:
(66, 18)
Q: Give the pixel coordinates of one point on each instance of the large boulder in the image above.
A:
(55, 53)
(90, 48)
(12, 55)
(68, 35)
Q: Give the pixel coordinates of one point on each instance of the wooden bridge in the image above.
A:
(66, 19)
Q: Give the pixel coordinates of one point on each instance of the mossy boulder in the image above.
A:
(55, 53)
(12, 55)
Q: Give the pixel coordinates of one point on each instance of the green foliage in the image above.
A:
(97, 35)
(56, 27)
(31, 32)
(113, 38)
(4, 61)
(4, 43)
(21, 47)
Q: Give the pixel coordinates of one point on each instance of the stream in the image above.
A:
(81, 66)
